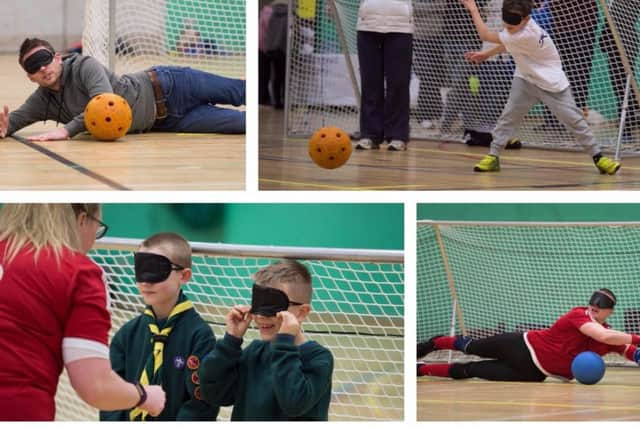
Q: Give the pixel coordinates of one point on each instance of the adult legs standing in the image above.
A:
(371, 59)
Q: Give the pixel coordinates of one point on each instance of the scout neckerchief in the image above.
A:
(152, 373)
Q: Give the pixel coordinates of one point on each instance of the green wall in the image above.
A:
(232, 11)
(336, 225)
(530, 212)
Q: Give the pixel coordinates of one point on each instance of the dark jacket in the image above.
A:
(276, 39)
(189, 341)
(269, 381)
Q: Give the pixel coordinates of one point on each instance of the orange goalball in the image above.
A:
(108, 117)
(330, 147)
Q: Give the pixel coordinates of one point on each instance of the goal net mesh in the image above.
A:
(205, 34)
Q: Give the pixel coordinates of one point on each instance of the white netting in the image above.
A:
(357, 312)
(443, 102)
(512, 277)
(205, 34)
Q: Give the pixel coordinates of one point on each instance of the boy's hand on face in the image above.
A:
(469, 4)
(54, 135)
(290, 324)
(238, 320)
(4, 121)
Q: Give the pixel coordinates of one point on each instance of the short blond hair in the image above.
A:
(41, 225)
(289, 276)
(177, 247)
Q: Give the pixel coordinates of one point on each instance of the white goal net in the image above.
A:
(132, 35)
(357, 312)
(487, 278)
(597, 41)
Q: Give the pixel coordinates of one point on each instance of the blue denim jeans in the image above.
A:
(191, 98)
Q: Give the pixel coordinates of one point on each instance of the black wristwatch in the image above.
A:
(143, 394)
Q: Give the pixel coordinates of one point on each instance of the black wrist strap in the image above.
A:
(143, 394)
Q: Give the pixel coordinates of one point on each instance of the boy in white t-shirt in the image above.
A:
(538, 77)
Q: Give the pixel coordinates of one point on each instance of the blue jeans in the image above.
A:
(191, 98)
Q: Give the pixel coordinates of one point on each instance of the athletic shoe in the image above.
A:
(607, 166)
(397, 145)
(513, 143)
(367, 144)
(488, 164)
(426, 347)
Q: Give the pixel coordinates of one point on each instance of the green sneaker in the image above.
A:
(488, 164)
(607, 165)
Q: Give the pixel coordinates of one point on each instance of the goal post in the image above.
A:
(519, 276)
(357, 312)
(132, 35)
(597, 41)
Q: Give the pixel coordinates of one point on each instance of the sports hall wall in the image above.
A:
(359, 226)
(563, 262)
(59, 21)
(529, 212)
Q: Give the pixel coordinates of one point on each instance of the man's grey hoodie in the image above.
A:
(83, 77)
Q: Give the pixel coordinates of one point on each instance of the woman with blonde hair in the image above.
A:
(53, 314)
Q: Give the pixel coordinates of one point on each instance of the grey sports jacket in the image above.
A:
(83, 77)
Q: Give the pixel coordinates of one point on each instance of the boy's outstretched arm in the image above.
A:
(483, 31)
(478, 57)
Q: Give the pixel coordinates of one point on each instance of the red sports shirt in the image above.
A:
(554, 349)
(40, 304)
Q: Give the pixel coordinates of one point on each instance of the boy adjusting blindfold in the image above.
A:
(269, 301)
(153, 268)
(511, 18)
(38, 59)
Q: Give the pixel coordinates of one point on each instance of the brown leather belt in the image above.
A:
(161, 105)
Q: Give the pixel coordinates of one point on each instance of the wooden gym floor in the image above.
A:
(614, 398)
(429, 165)
(152, 161)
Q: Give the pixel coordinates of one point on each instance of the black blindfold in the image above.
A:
(269, 301)
(511, 18)
(37, 60)
(153, 268)
(602, 300)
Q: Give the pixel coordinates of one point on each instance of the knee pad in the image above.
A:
(461, 343)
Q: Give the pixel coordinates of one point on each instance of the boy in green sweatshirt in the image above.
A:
(282, 376)
(165, 344)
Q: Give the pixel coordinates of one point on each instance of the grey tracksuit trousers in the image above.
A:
(523, 96)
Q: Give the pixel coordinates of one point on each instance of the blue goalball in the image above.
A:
(588, 367)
